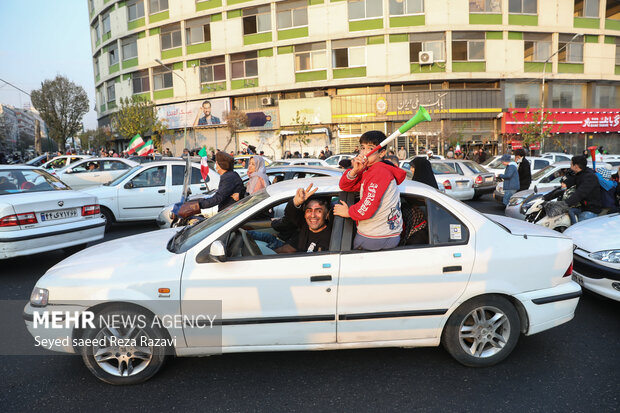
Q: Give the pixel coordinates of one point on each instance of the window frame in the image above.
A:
(302, 6)
(202, 24)
(245, 62)
(131, 40)
(113, 48)
(170, 31)
(522, 8)
(110, 85)
(163, 73)
(584, 8)
(104, 18)
(498, 2)
(535, 46)
(311, 53)
(414, 39)
(135, 4)
(206, 63)
(564, 55)
(348, 49)
(404, 6)
(159, 9)
(366, 17)
(141, 76)
(260, 11)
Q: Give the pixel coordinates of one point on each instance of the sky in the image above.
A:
(40, 39)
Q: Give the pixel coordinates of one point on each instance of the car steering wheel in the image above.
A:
(249, 243)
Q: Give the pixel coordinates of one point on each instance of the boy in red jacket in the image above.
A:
(378, 215)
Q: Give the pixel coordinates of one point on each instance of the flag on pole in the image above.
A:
(204, 164)
(146, 149)
(458, 148)
(135, 143)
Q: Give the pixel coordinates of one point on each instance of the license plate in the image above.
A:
(461, 184)
(59, 214)
(488, 179)
(578, 279)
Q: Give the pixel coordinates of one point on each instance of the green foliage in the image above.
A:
(62, 104)
(534, 130)
(303, 131)
(94, 138)
(138, 115)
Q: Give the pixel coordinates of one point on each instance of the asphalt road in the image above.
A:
(574, 367)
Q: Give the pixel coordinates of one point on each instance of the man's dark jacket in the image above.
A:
(525, 175)
(230, 183)
(587, 191)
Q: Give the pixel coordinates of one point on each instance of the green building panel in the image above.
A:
(114, 68)
(375, 40)
(231, 2)
(570, 68)
(610, 40)
(586, 23)
(199, 48)
(534, 66)
(617, 70)
(117, 79)
(293, 33)
(209, 4)
(314, 2)
(591, 38)
(612, 24)
(97, 78)
(106, 36)
(434, 68)
(163, 93)
(243, 83)
(177, 66)
(121, 4)
(371, 24)
(469, 66)
(157, 17)
(476, 18)
(349, 72)
(256, 38)
(102, 108)
(130, 63)
(515, 36)
(136, 23)
(217, 17)
(399, 38)
(212, 87)
(127, 76)
(98, 42)
(192, 63)
(494, 35)
(112, 105)
(233, 14)
(142, 35)
(522, 20)
(143, 96)
(265, 52)
(285, 49)
(170, 53)
(311, 76)
(406, 21)
(155, 31)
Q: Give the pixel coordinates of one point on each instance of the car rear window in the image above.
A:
(442, 168)
(475, 168)
(14, 181)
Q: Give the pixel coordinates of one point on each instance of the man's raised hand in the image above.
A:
(303, 194)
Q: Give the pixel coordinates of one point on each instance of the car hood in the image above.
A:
(101, 191)
(518, 227)
(596, 234)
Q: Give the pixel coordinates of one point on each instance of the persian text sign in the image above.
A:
(564, 120)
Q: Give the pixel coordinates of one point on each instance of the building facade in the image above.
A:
(341, 67)
(19, 129)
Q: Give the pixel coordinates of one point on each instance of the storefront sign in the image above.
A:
(564, 120)
(201, 113)
(265, 119)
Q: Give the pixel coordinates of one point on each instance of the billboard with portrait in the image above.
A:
(199, 113)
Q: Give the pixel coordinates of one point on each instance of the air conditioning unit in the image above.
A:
(425, 57)
(266, 101)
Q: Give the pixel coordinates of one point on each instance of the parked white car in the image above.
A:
(93, 171)
(140, 193)
(300, 161)
(448, 180)
(464, 287)
(596, 257)
(334, 160)
(556, 156)
(39, 213)
(497, 167)
(62, 161)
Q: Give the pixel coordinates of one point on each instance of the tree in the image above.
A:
(62, 104)
(138, 115)
(303, 131)
(532, 130)
(94, 138)
(235, 120)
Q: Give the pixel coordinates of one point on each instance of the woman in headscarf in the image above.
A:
(258, 175)
(422, 171)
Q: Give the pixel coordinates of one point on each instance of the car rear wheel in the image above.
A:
(482, 332)
(108, 216)
(124, 352)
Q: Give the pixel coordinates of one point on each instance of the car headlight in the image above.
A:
(39, 297)
(611, 256)
(515, 201)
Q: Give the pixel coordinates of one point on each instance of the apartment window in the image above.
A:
(113, 54)
(96, 64)
(468, 46)
(140, 81)
(349, 53)
(571, 50)
(257, 20)
(198, 31)
(105, 21)
(523, 6)
(96, 32)
(612, 10)
(365, 9)
(244, 65)
(155, 6)
(485, 6)
(567, 95)
(110, 91)
(536, 47)
(586, 8)
(130, 48)
(171, 37)
(522, 95)
(400, 7)
(310, 56)
(212, 69)
(292, 14)
(135, 10)
(427, 42)
(100, 97)
(162, 78)
(91, 5)
(606, 96)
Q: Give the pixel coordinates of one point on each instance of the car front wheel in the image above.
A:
(482, 331)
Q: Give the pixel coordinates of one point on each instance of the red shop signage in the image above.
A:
(565, 120)
(519, 145)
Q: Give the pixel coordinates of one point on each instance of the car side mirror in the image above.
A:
(215, 253)
(128, 185)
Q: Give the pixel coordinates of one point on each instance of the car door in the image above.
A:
(267, 300)
(403, 293)
(79, 175)
(144, 195)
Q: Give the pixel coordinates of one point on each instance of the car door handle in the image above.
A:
(161, 191)
(316, 278)
(453, 268)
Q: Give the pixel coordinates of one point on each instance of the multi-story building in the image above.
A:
(17, 128)
(347, 66)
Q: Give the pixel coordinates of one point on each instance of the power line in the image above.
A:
(10, 84)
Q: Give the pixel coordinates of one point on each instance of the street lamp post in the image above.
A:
(185, 85)
(542, 91)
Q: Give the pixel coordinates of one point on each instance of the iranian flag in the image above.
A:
(135, 143)
(204, 165)
(146, 149)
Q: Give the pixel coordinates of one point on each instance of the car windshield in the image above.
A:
(442, 168)
(496, 164)
(475, 168)
(279, 163)
(120, 178)
(542, 172)
(196, 233)
(332, 160)
(13, 181)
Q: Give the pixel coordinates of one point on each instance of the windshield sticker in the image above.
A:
(455, 232)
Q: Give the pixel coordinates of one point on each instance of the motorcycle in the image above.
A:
(550, 214)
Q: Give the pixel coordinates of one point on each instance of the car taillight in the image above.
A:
(19, 219)
(569, 271)
(479, 180)
(90, 210)
(447, 184)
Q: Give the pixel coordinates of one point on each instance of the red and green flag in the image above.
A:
(204, 164)
(135, 143)
(146, 149)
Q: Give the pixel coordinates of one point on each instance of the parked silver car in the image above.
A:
(484, 181)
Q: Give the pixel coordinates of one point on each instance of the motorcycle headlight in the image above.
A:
(39, 297)
(611, 256)
(515, 201)
(527, 205)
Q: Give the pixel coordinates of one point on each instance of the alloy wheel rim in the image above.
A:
(484, 332)
(121, 354)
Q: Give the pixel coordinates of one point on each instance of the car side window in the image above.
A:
(197, 177)
(539, 164)
(178, 173)
(114, 165)
(151, 177)
(444, 227)
(83, 167)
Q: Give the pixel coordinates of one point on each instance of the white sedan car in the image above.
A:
(93, 171)
(62, 161)
(213, 288)
(40, 213)
(140, 193)
(597, 254)
(301, 161)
